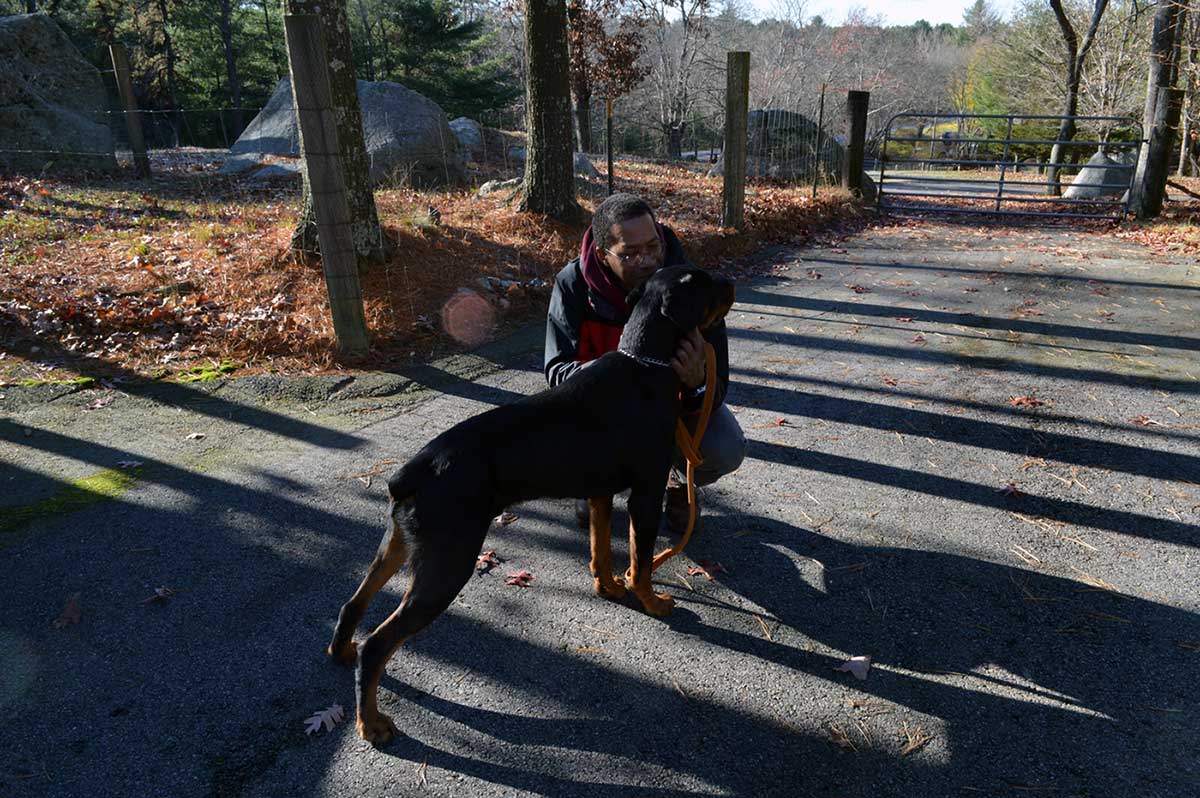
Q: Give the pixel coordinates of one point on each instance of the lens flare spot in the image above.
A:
(468, 318)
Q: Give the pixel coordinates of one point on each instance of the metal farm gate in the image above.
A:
(998, 164)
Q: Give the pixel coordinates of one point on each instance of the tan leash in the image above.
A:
(690, 446)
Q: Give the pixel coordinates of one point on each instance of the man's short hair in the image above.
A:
(616, 209)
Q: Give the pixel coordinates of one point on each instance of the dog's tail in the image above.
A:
(404, 484)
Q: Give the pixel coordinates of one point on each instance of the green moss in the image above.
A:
(77, 382)
(213, 371)
(75, 495)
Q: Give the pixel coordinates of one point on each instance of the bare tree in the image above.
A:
(678, 27)
(1076, 52)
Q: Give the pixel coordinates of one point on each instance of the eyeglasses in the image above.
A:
(651, 253)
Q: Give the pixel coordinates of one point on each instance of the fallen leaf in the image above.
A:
(918, 339)
(706, 569)
(70, 614)
(196, 436)
(129, 464)
(892, 381)
(326, 717)
(519, 579)
(904, 319)
(780, 422)
(856, 666)
(505, 518)
(96, 404)
(486, 561)
(1144, 421)
(1010, 489)
(1026, 401)
(816, 275)
(161, 594)
(859, 289)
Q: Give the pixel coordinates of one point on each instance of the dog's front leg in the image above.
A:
(645, 511)
(606, 584)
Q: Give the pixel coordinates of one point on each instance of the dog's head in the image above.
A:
(687, 297)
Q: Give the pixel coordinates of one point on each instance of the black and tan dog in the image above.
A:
(609, 428)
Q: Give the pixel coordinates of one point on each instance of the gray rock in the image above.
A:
(1098, 171)
(406, 134)
(782, 145)
(278, 170)
(493, 186)
(583, 167)
(53, 109)
(469, 134)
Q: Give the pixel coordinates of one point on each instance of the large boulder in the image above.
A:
(53, 109)
(1102, 176)
(469, 134)
(406, 134)
(782, 145)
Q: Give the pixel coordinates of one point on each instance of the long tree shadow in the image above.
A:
(1083, 451)
(754, 296)
(1041, 681)
(820, 343)
(759, 377)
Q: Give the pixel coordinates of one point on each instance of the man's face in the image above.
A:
(634, 252)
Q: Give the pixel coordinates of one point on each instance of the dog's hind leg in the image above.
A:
(645, 511)
(393, 553)
(605, 583)
(439, 572)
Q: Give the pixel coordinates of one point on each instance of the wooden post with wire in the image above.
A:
(737, 108)
(133, 121)
(608, 111)
(322, 162)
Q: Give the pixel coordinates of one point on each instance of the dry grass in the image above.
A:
(112, 278)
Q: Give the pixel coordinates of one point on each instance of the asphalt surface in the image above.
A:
(1041, 638)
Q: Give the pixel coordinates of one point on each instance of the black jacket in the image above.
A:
(582, 325)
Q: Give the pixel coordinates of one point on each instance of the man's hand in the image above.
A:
(688, 362)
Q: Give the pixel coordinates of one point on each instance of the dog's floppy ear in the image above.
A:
(684, 302)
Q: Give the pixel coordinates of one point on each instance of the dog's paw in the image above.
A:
(657, 604)
(379, 730)
(611, 588)
(347, 656)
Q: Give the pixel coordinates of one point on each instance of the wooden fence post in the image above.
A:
(608, 143)
(737, 108)
(856, 140)
(322, 161)
(133, 122)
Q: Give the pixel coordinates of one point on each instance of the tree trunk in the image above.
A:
(1066, 132)
(30, 6)
(271, 43)
(1163, 54)
(172, 78)
(225, 25)
(583, 123)
(362, 14)
(1150, 179)
(549, 185)
(675, 141)
(1076, 54)
(369, 242)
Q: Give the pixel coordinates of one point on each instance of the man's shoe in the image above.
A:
(583, 513)
(676, 510)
